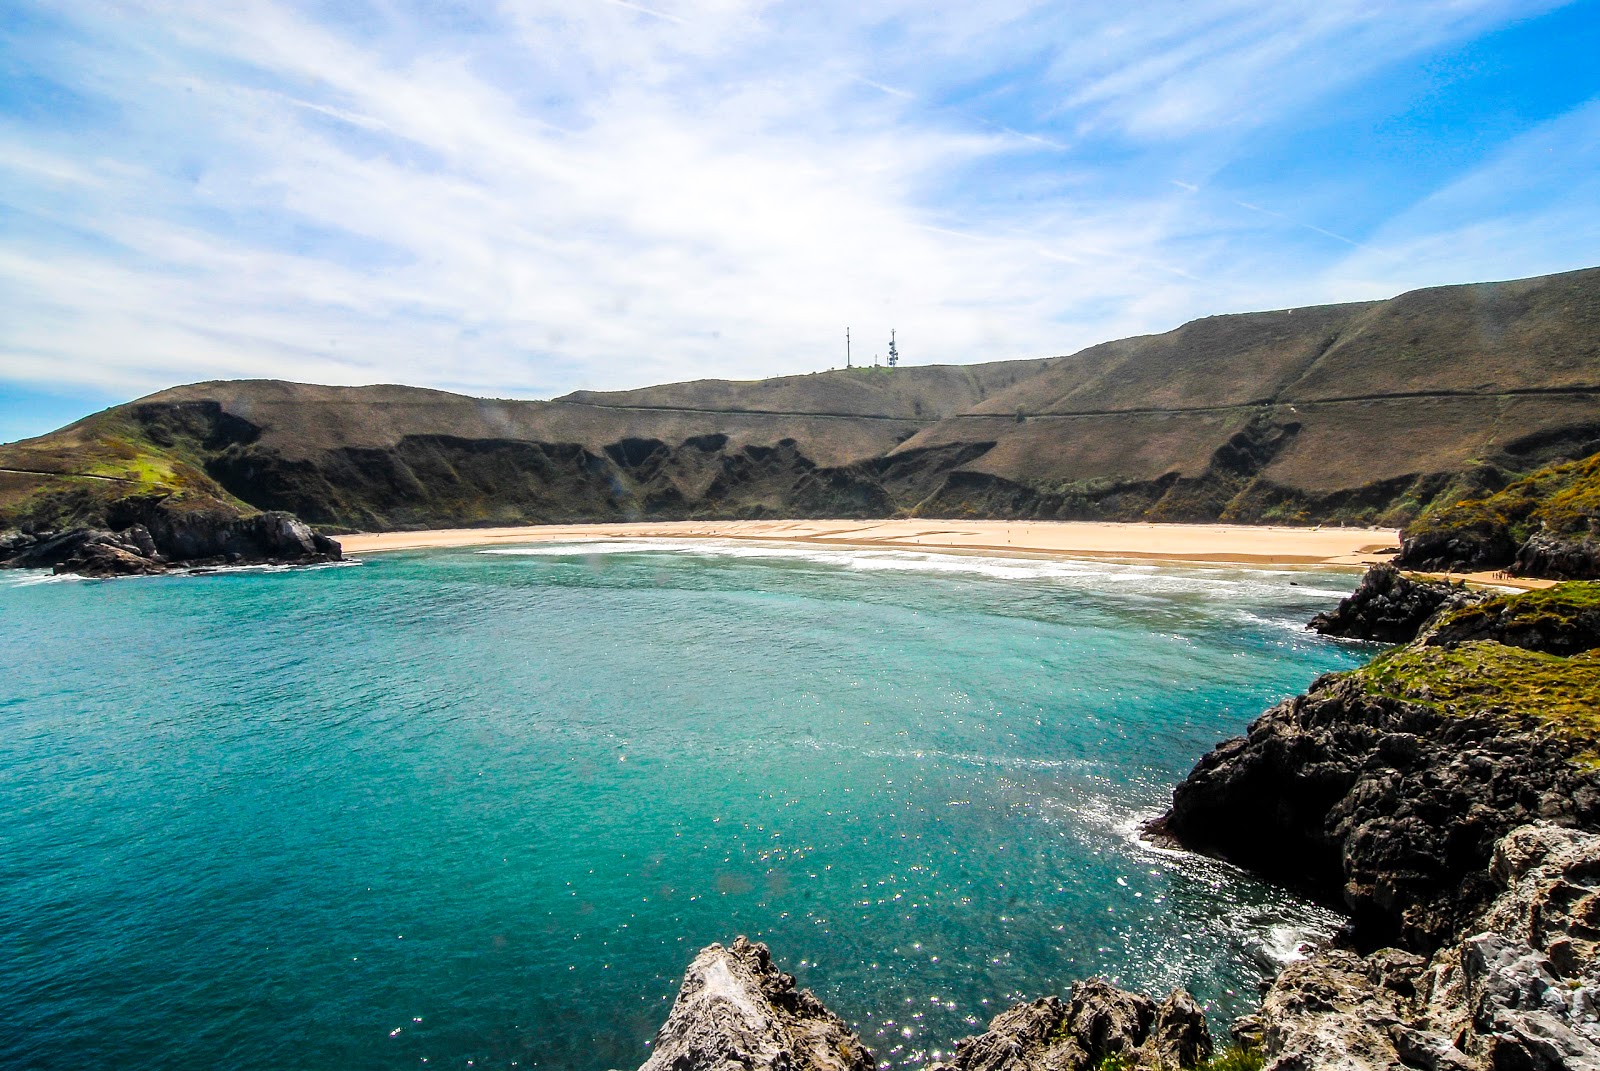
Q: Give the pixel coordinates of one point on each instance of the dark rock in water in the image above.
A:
(1559, 559)
(1098, 1023)
(153, 537)
(199, 535)
(1391, 607)
(737, 1012)
(86, 550)
(1387, 808)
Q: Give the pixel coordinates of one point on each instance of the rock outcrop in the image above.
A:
(1391, 607)
(737, 1012)
(1570, 558)
(1097, 1025)
(1463, 549)
(1385, 807)
(150, 537)
(1520, 991)
(1563, 620)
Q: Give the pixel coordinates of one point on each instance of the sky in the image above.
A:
(519, 199)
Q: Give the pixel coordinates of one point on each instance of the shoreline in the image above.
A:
(1124, 541)
(1215, 544)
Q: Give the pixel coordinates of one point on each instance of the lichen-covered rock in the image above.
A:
(1560, 620)
(1339, 1012)
(737, 1012)
(1391, 607)
(1097, 1023)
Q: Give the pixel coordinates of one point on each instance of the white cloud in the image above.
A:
(593, 194)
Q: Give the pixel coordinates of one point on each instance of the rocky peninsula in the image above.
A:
(141, 536)
(1445, 797)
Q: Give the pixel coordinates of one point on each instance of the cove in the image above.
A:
(465, 805)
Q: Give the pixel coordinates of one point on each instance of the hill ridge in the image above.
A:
(1367, 412)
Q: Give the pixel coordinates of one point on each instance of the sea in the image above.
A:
(479, 808)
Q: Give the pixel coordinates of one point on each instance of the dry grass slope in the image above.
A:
(1376, 412)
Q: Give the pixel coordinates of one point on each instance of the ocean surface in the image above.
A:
(479, 808)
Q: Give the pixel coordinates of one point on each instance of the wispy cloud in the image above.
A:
(552, 194)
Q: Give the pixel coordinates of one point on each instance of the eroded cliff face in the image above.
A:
(1386, 808)
(1383, 791)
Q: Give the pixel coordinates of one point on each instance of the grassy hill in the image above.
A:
(1368, 412)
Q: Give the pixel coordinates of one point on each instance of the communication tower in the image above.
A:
(894, 354)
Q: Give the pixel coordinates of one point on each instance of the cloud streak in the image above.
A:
(550, 195)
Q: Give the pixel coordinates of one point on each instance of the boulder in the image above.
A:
(1391, 607)
(737, 1012)
(1098, 1024)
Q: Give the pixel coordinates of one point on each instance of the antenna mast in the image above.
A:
(894, 354)
(847, 347)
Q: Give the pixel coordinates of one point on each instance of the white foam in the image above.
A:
(1150, 580)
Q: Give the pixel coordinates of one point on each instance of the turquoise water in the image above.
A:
(481, 808)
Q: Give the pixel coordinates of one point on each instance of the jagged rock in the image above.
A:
(104, 559)
(1097, 1023)
(153, 536)
(1391, 607)
(1387, 808)
(1532, 979)
(200, 535)
(737, 1012)
(1338, 1011)
(1457, 549)
(1521, 992)
(1573, 558)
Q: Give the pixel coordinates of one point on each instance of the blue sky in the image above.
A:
(526, 198)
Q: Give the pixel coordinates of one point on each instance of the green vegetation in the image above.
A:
(1234, 1058)
(1562, 499)
(1551, 611)
(101, 460)
(1509, 683)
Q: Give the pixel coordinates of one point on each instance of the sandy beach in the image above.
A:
(1218, 544)
(1215, 543)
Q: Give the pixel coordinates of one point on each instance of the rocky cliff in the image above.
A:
(147, 535)
(1546, 524)
(1519, 989)
(1383, 791)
